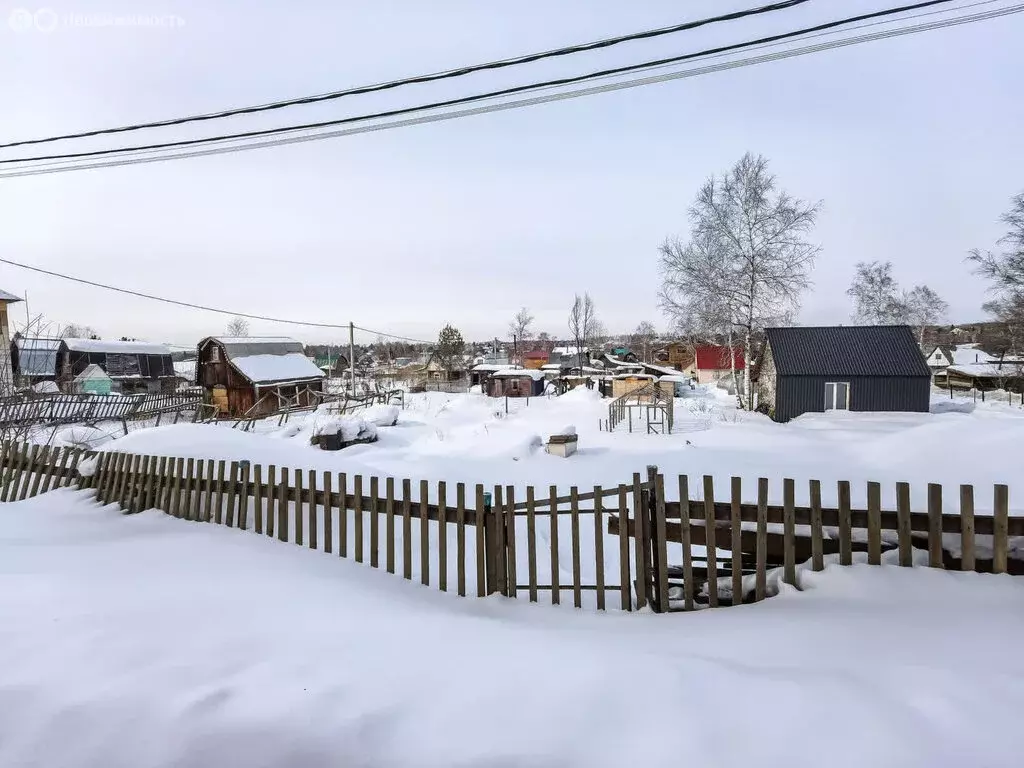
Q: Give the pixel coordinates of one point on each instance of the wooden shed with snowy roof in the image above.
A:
(257, 376)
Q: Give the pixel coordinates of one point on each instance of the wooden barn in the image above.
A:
(516, 382)
(134, 367)
(257, 376)
(842, 368)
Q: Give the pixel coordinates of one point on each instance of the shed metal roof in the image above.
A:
(854, 350)
(247, 346)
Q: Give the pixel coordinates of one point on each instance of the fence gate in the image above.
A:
(566, 548)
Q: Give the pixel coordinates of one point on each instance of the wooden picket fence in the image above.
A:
(606, 547)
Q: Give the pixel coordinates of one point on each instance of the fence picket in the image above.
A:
(208, 494)
(343, 516)
(424, 532)
(357, 508)
(1000, 527)
(531, 543)
(874, 524)
(113, 475)
(761, 577)
(711, 556)
(51, 468)
(903, 524)
(389, 523)
(218, 512)
(374, 523)
(407, 529)
(574, 512)
(283, 494)
(313, 521)
(845, 525)
(460, 540)
(817, 534)
(190, 469)
(328, 514)
(232, 495)
(510, 540)
(56, 478)
(934, 525)
(442, 536)
(128, 494)
(625, 600)
(789, 531)
(40, 471)
(481, 545)
(159, 483)
(556, 596)
(29, 473)
(69, 476)
(197, 491)
(643, 539)
(257, 492)
(299, 528)
(178, 480)
(598, 544)
(737, 542)
(498, 570)
(967, 558)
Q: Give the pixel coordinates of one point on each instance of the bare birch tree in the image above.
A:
(238, 327)
(747, 261)
(878, 299)
(1005, 271)
(583, 324)
(519, 329)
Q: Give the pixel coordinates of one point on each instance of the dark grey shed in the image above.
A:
(856, 368)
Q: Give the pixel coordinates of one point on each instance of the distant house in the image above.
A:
(34, 359)
(855, 368)
(479, 374)
(6, 367)
(134, 367)
(257, 376)
(710, 362)
(535, 360)
(676, 354)
(516, 382)
(987, 376)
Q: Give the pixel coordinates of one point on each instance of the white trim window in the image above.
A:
(837, 396)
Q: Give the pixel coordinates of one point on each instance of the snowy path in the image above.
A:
(146, 641)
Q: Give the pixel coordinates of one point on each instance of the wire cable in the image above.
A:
(491, 94)
(791, 53)
(435, 76)
(193, 305)
(827, 33)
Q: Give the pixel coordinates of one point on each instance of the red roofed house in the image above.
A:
(712, 363)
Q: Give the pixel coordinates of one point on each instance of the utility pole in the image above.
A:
(352, 355)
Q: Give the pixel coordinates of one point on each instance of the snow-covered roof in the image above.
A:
(116, 347)
(554, 366)
(633, 376)
(967, 354)
(33, 342)
(487, 367)
(246, 346)
(989, 370)
(517, 373)
(91, 371)
(574, 351)
(661, 370)
(267, 369)
(5, 296)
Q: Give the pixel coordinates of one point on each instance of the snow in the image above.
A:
(149, 641)
(117, 347)
(263, 369)
(515, 373)
(80, 436)
(488, 368)
(350, 427)
(185, 369)
(470, 438)
(93, 371)
(992, 370)
(46, 388)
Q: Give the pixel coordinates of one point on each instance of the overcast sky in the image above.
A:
(913, 145)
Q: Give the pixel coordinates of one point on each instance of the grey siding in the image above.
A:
(806, 394)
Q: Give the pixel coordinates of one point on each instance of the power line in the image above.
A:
(488, 95)
(192, 305)
(739, 63)
(444, 75)
(393, 336)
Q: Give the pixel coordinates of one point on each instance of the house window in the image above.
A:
(837, 396)
(214, 354)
